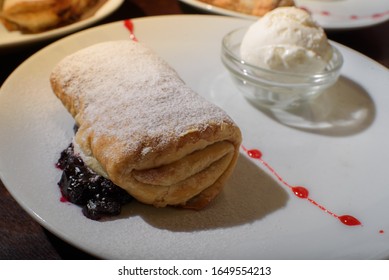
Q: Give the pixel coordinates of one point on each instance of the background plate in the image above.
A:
(331, 14)
(15, 38)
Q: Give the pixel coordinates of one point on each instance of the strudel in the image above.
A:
(143, 128)
(33, 16)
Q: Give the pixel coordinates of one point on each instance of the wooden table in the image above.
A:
(21, 237)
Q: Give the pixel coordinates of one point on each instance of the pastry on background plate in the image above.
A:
(34, 16)
(250, 7)
(143, 128)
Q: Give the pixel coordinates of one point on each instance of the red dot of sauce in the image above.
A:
(381, 231)
(378, 15)
(300, 192)
(254, 153)
(349, 220)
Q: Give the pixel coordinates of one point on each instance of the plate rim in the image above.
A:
(36, 215)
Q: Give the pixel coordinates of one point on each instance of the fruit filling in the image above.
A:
(79, 184)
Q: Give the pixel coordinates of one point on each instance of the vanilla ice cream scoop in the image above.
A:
(287, 39)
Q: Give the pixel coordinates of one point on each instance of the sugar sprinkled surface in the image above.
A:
(123, 84)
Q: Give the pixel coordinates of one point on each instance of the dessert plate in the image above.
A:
(331, 14)
(15, 38)
(343, 163)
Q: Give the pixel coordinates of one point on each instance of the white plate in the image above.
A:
(331, 14)
(15, 38)
(343, 163)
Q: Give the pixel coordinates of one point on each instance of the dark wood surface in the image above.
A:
(21, 237)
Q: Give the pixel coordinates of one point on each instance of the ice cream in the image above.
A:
(286, 39)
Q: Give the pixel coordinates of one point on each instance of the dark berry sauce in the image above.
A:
(80, 185)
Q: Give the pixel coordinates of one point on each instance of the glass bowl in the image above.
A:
(275, 89)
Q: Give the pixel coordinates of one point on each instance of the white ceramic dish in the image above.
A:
(13, 39)
(331, 14)
(342, 162)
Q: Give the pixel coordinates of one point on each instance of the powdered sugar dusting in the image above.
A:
(128, 92)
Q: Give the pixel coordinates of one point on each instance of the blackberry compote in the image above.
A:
(80, 185)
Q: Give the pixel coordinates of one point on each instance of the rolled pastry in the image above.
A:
(143, 128)
(40, 15)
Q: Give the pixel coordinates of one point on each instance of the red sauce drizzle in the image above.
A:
(300, 191)
(130, 27)
(378, 15)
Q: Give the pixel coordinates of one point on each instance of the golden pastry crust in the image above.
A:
(33, 16)
(250, 7)
(143, 128)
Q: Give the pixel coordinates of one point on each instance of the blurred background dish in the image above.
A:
(340, 14)
(347, 14)
(250, 7)
(11, 39)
